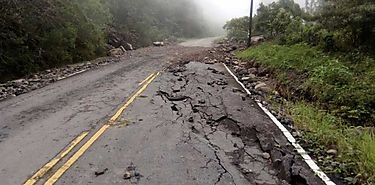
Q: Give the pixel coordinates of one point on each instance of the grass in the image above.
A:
(333, 101)
(342, 85)
(356, 147)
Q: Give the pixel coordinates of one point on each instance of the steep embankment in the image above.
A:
(330, 99)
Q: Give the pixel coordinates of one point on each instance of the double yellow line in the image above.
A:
(60, 171)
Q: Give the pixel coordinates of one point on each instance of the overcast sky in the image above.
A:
(222, 10)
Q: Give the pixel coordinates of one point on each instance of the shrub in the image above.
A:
(343, 87)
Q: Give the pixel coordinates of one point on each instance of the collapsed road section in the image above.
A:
(241, 136)
(193, 125)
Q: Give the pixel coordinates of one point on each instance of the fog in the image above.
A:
(220, 11)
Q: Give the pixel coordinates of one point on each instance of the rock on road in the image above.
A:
(191, 125)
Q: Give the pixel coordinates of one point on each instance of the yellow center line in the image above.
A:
(130, 101)
(41, 172)
(141, 83)
(52, 180)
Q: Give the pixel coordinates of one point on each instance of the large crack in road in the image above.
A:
(229, 122)
(192, 125)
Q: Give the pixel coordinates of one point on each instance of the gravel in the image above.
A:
(20, 86)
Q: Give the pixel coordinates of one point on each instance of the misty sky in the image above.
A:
(223, 10)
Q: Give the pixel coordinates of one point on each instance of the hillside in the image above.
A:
(50, 33)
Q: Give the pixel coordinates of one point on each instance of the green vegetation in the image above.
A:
(356, 146)
(316, 81)
(322, 59)
(334, 101)
(144, 21)
(50, 33)
(333, 25)
(238, 28)
(337, 84)
(47, 33)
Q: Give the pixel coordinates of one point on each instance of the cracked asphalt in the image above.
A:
(192, 125)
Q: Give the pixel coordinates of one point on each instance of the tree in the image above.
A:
(237, 28)
(273, 20)
(36, 35)
(352, 22)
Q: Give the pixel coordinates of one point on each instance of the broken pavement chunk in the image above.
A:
(127, 175)
(98, 173)
(132, 174)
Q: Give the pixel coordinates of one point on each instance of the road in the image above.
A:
(141, 122)
(205, 42)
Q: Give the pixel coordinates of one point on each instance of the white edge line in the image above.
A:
(313, 166)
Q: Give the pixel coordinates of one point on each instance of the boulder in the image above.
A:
(263, 87)
(257, 39)
(249, 78)
(266, 155)
(123, 49)
(129, 47)
(19, 82)
(158, 43)
(116, 52)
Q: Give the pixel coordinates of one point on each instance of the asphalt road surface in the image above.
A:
(141, 122)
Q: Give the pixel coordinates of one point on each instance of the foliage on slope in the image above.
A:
(323, 61)
(331, 100)
(36, 35)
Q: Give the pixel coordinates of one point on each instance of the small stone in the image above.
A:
(247, 171)
(201, 101)
(246, 78)
(266, 155)
(129, 46)
(191, 119)
(296, 134)
(101, 172)
(127, 175)
(332, 152)
(158, 43)
(252, 70)
(236, 90)
(263, 87)
(18, 82)
(242, 72)
(249, 78)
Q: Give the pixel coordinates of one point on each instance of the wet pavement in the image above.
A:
(192, 125)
